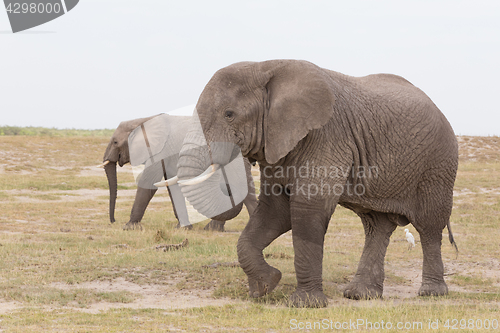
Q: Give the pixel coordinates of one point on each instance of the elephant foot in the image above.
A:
(357, 291)
(133, 226)
(433, 289)
(308, 299)
(187, 227)
(215, 225)
(265, 283)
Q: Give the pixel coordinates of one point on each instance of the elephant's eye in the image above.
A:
(229, 114)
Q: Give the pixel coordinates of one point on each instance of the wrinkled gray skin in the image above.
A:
(118, 152)
(288, 114)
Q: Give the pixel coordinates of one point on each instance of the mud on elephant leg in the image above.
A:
(308, 231)
(369, 279)
(265, 225)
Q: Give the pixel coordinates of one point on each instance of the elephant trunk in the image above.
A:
(110, 169)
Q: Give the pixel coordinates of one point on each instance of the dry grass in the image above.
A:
(479, 149)
(56, 242)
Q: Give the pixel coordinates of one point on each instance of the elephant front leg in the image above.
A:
(270, 219)
(309, 227)
(142, 198)
(369, 279)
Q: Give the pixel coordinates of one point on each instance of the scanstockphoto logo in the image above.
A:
(26, 14)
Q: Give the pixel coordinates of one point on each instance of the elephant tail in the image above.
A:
(452, 240)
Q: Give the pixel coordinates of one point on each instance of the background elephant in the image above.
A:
(118, 152)
(375, 144)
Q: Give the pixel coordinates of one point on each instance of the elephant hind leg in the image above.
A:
(215, 225)
(433, 283)
(432, 217)
(369, 279)
(431, 234)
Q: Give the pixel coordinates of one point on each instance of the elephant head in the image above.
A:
(118, 152)
(236, 109)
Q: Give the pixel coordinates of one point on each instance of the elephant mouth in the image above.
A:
(209, 172)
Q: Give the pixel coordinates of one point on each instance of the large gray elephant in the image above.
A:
(376, 145)
(118, 151)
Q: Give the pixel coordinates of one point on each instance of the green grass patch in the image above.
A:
(471, 280)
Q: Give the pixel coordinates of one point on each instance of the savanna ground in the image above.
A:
(64, 267)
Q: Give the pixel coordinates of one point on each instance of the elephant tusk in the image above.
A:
(201, 178)
(193, 181)
(102, 165)
(168, 182)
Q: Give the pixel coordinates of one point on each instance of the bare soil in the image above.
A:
(155, 296)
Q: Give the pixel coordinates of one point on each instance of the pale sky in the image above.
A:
(111, 60)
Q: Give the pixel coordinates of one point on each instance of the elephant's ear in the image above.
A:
(300, 99)
(148, 138)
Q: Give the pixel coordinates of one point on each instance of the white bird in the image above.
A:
(410, 239)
